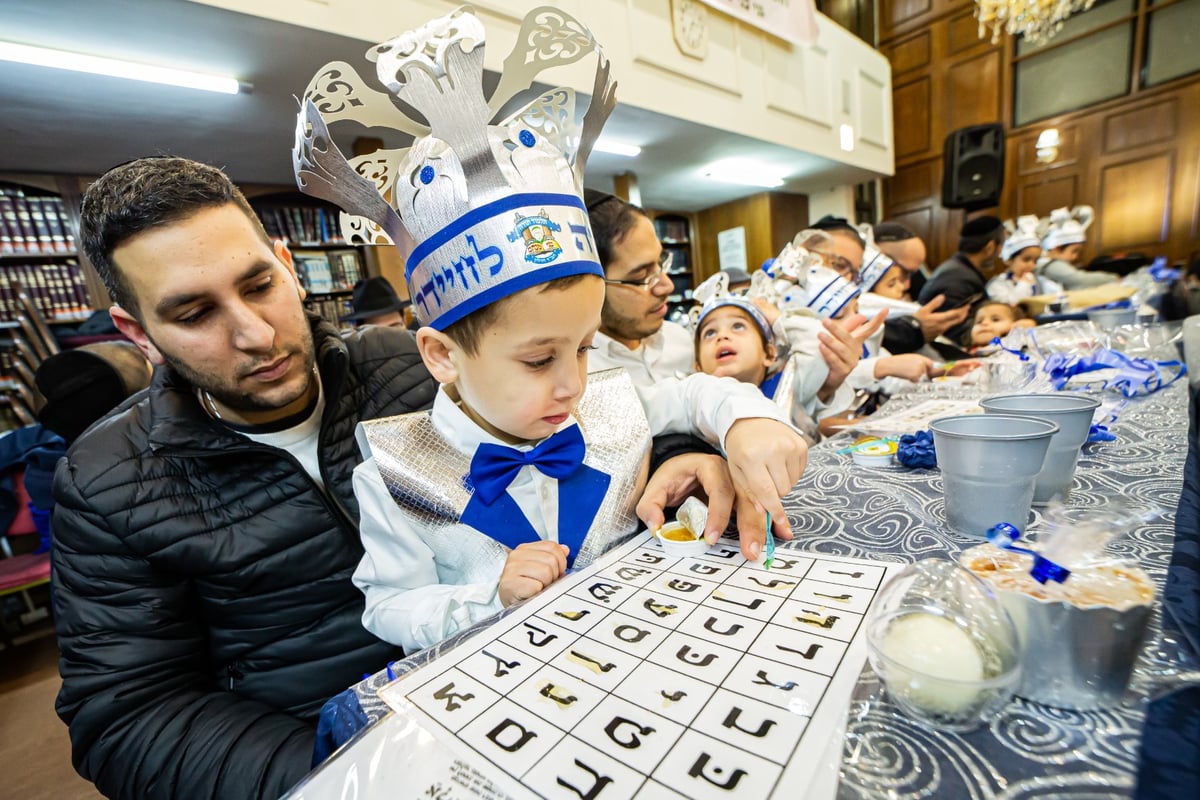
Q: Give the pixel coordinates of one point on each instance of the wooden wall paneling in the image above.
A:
(1134, 204)
(962, 34)
(911, 53)
(788, 216)
(972, 92)
(912, 183)
(897, 17)
(1023, 148)
(770, 220)
(1141, 126)
(912, 118)
(1043, 197)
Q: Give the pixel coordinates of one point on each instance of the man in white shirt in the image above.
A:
(633, 330)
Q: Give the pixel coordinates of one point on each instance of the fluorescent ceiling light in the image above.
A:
(746, 173)
(616, 148)
(95, 65)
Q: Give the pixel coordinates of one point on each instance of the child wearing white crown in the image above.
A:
(1064, 234)
(1020, 253)
(526, 465)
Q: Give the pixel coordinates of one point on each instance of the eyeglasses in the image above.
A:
(653, 279)
(839, 264)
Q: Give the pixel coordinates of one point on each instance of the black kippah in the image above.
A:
(892, 232)
(832, 223)
(981, 226)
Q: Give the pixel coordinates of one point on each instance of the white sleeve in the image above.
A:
(798, 332)
(807, 379)
(407, 602)
(704, 405)
(863, 374)
(840, 401)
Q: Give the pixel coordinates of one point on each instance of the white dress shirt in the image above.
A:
(416, 597)
(670, 353)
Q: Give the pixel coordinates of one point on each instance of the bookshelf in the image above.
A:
(37, 256)
(674, 232)
(326, 265)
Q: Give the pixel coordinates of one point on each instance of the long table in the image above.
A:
(897, 514)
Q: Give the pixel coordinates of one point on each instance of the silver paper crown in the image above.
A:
(482, 209)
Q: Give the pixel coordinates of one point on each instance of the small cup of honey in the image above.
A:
(677, 540)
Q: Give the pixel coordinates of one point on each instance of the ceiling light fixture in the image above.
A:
(95, 65)
(746, 173)
(616, 148)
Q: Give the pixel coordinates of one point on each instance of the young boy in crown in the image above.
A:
(526, 465)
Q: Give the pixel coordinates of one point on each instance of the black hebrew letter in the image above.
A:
(774, 583)
(607, 666)
(502, 666)
(854, 575)
(648, 558)
(613, 727)
(521, 740)
(762, 680)
(841, 598)
(659, 609)
(683, 586)
(753, 604)
(725, 552)
(731, 722)
(603, 591)
(628, 633)
(697, 771)
(703, 569)
(812, 650)
(598, 783)
(628, 573)
(546, 639)
(684, 655)
(550, 691)
(447, 693)
(730, 631)
(674, 696)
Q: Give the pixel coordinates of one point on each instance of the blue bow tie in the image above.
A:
(494, 466)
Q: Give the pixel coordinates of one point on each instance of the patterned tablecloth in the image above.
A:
(897, 514)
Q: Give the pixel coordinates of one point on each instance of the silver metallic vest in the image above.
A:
(425, 475)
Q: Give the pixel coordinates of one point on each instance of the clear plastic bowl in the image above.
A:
(943, 646)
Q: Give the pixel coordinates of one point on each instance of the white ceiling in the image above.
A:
(64, 122)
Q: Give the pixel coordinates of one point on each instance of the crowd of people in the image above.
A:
(288, 506)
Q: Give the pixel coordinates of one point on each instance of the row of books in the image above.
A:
(323, 271)
(301, 224)
(331, 308)
(671, 229)
(58, 290)
(33, 223)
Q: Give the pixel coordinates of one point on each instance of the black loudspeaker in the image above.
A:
(973, 167)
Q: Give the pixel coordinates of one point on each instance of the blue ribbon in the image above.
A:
(1023, 356)
(916, 450)
(581, 490)
(1004, 534)
(494, 466)
(1134, 375)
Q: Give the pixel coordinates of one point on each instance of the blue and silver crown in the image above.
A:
(714, 293)
(481, 208)
(802, 281)
(1022, 233)
(874, 266)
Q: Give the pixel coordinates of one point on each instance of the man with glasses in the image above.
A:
(844, 253)
(634, 332)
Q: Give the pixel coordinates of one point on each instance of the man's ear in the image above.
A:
(133, 330)
(440, 354)
(285, 257)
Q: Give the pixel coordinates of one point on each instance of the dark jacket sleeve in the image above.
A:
(902, 335)
(676, 444)
(147, 717)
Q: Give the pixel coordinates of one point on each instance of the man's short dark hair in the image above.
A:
(978, 232)
(892, 232)
(611, 219)
(840, 226)
(137, 196)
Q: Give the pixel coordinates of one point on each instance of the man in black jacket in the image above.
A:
(206, 531)
(961, 278)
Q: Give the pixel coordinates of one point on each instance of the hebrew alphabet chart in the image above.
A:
(648, 675)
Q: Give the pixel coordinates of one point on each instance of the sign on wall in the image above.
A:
(792, 20)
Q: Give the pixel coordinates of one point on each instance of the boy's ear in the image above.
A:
(769, 352)
(440, 353)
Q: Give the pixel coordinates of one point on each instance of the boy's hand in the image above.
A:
(530, 568)
(766, 458)
(909, 366)
(680, 477)
(840, 344)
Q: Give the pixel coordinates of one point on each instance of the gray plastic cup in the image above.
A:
(989, 463)
(1073, 415)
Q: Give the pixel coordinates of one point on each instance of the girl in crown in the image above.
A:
(1020, 255)
(1064, 234)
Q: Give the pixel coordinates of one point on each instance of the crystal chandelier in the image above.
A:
(1036, 20)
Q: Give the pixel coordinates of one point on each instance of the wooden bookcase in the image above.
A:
(675, 232)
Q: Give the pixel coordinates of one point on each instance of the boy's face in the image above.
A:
(531, 364)
(1069, 253)
(992, 320)
(223, 307)
(893, 284)
(1024, 262)
(729, 344)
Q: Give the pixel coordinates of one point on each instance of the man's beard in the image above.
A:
(625, 328)
(229, 395)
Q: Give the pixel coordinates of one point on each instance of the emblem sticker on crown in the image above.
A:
(481, 208)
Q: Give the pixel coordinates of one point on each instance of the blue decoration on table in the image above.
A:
(998, 343)
(1135, 376)
(916, 451)
(1004, 534)
(1100, 433)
